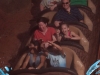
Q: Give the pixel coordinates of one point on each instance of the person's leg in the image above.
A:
(18, 65)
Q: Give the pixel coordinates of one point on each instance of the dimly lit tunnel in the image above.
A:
(18, 22)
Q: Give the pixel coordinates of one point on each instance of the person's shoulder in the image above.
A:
(60, 10)
(74, 8)
(50, 54)
(36, 31)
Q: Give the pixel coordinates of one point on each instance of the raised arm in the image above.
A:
(57, 46)
(74, 36)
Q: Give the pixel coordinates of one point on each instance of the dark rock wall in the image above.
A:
(14, 26)
(13, 5)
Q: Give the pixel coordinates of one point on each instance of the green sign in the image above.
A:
(79, 2)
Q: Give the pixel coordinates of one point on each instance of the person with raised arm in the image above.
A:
(56, 55)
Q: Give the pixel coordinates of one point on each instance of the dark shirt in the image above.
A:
(63, 39)
(73, 16)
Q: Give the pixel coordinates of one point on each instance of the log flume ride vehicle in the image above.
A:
(75, 52)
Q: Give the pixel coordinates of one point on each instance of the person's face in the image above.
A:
(42, 26)
(57, 31)
(31, 46)
(64, 28)
(65, 4)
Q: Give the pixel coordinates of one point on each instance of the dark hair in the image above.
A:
(69, 0)
(50, 48)
(64, 23)
(57, 27)
(43, 19)
(33, 49)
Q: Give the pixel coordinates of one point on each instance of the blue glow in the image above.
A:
(93, 68)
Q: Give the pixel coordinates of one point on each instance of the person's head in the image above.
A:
(32, 48)
(66, 4)
(64, 28)
(42, 23)
(44, 45)
(57, 30)
(55, 49)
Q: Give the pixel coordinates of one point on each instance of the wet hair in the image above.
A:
(43, 19)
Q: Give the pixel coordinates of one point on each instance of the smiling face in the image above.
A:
(42, 26)
(64, 28)
(66, 4)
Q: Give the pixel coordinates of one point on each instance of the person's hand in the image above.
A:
(50, 42)
(31, 68)
(68, 37)
(46, 44)
(58, 32)
(40, 41)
